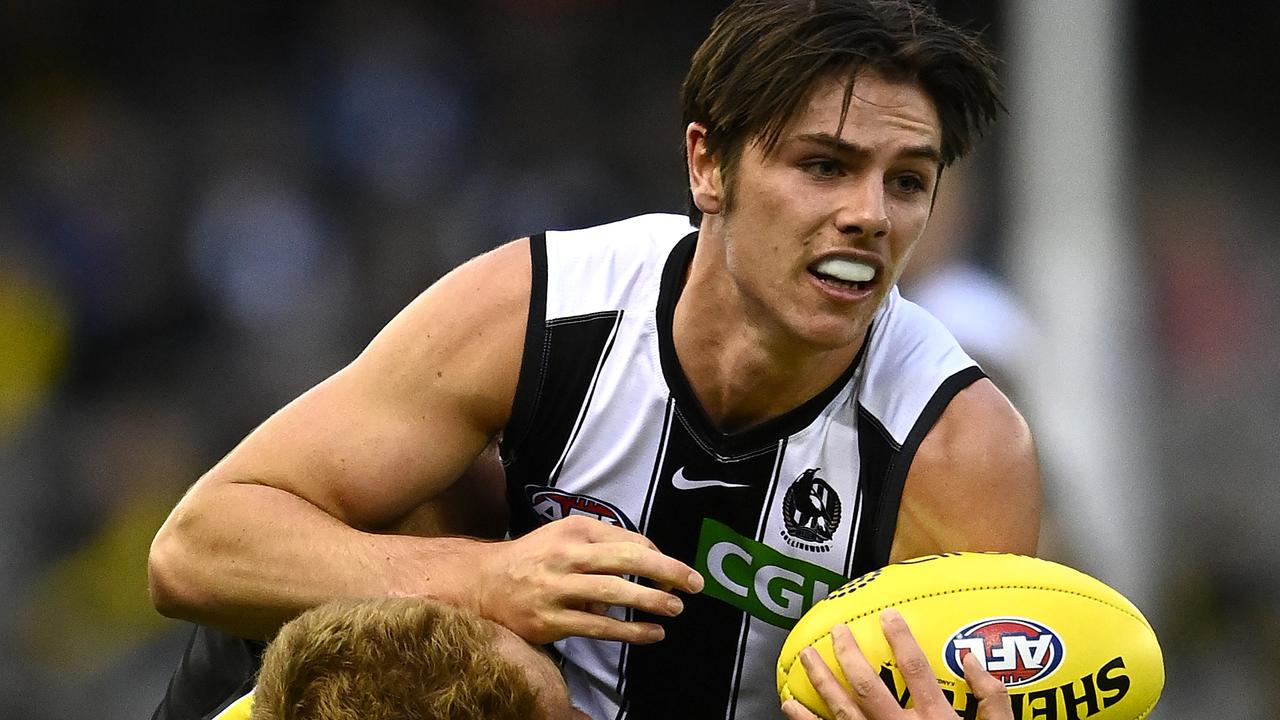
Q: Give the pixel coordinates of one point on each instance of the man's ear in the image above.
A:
(706, 184)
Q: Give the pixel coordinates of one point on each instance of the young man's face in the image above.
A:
(819, 230)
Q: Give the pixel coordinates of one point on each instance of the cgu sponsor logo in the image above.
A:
(758, 579)
(551, 504)
(1015, 650)
(1075, 700)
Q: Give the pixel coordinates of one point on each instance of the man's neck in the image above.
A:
(743, 372)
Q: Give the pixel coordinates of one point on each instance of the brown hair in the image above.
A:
(389, 659)
(762, 58)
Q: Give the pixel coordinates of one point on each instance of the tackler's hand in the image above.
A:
(867, 698)
(560, 580)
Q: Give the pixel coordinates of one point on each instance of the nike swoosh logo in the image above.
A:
(683, 483)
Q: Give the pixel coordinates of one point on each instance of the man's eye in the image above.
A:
(823, 168)
(908, 183)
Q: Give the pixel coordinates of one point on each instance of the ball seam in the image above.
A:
(791, 663)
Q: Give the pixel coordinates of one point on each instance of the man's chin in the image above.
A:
(833, 336)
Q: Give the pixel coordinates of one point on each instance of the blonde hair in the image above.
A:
(390, 659)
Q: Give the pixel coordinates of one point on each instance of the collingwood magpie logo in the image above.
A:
(810, 512)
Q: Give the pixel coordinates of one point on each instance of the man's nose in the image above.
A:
(863, 210)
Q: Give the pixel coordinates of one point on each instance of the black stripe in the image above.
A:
(575, 348)
(708, 632)
(877, 451)
(533, 362)
(616, 317)
(850, 562)
(644, 522)
(735, 684)
(896, 479)
(746, 619)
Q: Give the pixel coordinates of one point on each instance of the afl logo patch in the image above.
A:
(810, 513)
(1015, 650)
(552, 504)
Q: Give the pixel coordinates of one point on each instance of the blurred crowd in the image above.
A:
(205, 209)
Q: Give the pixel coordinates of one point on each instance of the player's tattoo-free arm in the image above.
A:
(304, 509)
(975, 481)
(292, 516)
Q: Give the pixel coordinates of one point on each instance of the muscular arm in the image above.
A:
(975, 481)
(328, 498)
(296, 513)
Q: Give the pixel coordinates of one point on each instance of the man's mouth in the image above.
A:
(844, 272)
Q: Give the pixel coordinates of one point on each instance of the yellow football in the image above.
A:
(1067, 646)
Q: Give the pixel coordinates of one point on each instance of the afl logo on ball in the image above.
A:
(810, 513)
(551, 504)
(1015, 650)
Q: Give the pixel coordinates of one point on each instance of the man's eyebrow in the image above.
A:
(927, 152)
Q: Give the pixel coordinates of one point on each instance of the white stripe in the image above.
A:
(586, 401)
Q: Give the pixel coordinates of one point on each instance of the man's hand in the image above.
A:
(869, 699)
(560, 579)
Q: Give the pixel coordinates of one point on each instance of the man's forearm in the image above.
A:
(246, 558)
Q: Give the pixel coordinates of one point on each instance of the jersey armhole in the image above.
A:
(533, 362)
(896, 479)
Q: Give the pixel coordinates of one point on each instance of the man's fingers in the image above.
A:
(589, 590)
(625, 558)
(993, 696)
(832, 692)
(983, 683)
(604, 627)
(864, 682)
(912, 663)
(795, 711)
(563, 578)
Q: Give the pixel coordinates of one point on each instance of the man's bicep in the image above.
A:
(397, 426)
(975, 481)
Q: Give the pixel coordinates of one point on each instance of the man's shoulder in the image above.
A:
(981, 448)
(911, 362)
(654, 229)
(608, 267)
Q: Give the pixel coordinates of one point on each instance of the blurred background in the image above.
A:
(205, 208)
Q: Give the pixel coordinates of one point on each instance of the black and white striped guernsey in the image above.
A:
(605, 425)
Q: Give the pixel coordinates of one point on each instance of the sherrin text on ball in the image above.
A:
(1067, 646)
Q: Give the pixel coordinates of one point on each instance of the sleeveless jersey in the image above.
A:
(606, 425)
